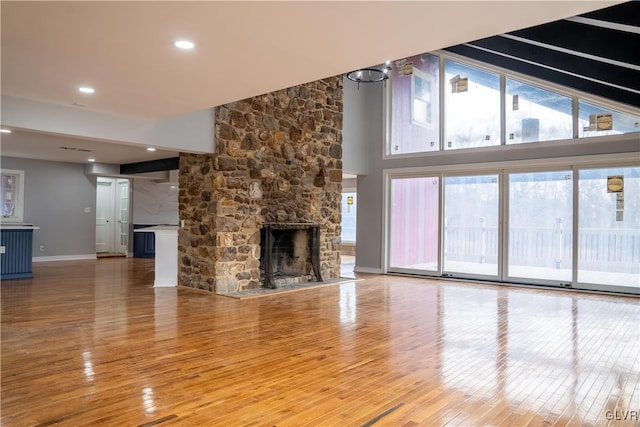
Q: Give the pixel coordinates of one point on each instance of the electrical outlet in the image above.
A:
(41, 248)
(87, 210)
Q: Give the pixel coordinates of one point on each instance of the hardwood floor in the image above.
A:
(92, 343)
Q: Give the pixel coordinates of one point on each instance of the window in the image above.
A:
(414, 105)
(471, 107)
(595, 120)
(413, 236)
(421, 107)
(12, 195)
(518, 226)
(540, 225)
(534, 114)
(349, 217)
(609, 227)
(471, 224)
(475, 103)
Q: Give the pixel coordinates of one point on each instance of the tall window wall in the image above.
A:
(484, 108)
(531, 218)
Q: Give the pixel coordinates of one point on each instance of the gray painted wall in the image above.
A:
(55, 196)
(359, 131)
(362, 155)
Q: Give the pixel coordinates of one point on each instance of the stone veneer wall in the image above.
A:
(278, 159)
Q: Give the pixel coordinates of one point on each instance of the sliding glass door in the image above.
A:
(471, 218)
(571, 227)
(414, 225)
(609, 229)
(539, 227)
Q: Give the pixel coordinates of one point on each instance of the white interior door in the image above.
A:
(122, 210)
(104, 215)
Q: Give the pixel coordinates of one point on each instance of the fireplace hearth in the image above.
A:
(289, 254)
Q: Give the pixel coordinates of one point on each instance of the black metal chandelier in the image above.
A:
(369, 75)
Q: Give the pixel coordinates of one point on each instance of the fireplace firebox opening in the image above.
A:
(289, 254)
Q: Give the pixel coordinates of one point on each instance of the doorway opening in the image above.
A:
(348, 225)
(112, 217)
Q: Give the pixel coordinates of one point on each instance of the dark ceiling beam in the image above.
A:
(543, 73)
(150, 166)
(624, 13)
(605, 24)
(602, 42)
(596, 53)
(589, 68)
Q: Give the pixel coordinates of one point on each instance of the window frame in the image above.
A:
(425, 78)
(503, 73)
(18, 215)
(574, 163)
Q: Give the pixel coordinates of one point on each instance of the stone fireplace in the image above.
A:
(277, 160)
(289, 254)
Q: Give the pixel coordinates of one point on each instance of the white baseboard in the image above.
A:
(130, 255)
(63, 258)
(370, 270)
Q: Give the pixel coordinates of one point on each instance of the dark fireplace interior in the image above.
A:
(289, 254)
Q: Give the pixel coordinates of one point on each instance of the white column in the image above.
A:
(166, 268)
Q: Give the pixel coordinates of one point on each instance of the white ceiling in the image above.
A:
(41, 146)
(124, 49)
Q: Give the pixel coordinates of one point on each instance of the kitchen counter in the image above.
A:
(16, 243)
(15, 226)
(157, 228)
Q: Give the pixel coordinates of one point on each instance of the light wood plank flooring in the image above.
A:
(92, 343)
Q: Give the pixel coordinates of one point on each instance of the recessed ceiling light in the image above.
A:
(184, 44)
(151, 149)
(86, 89)
(91, 159)
(5, 130)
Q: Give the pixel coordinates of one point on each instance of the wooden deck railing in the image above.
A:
(544, 247)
